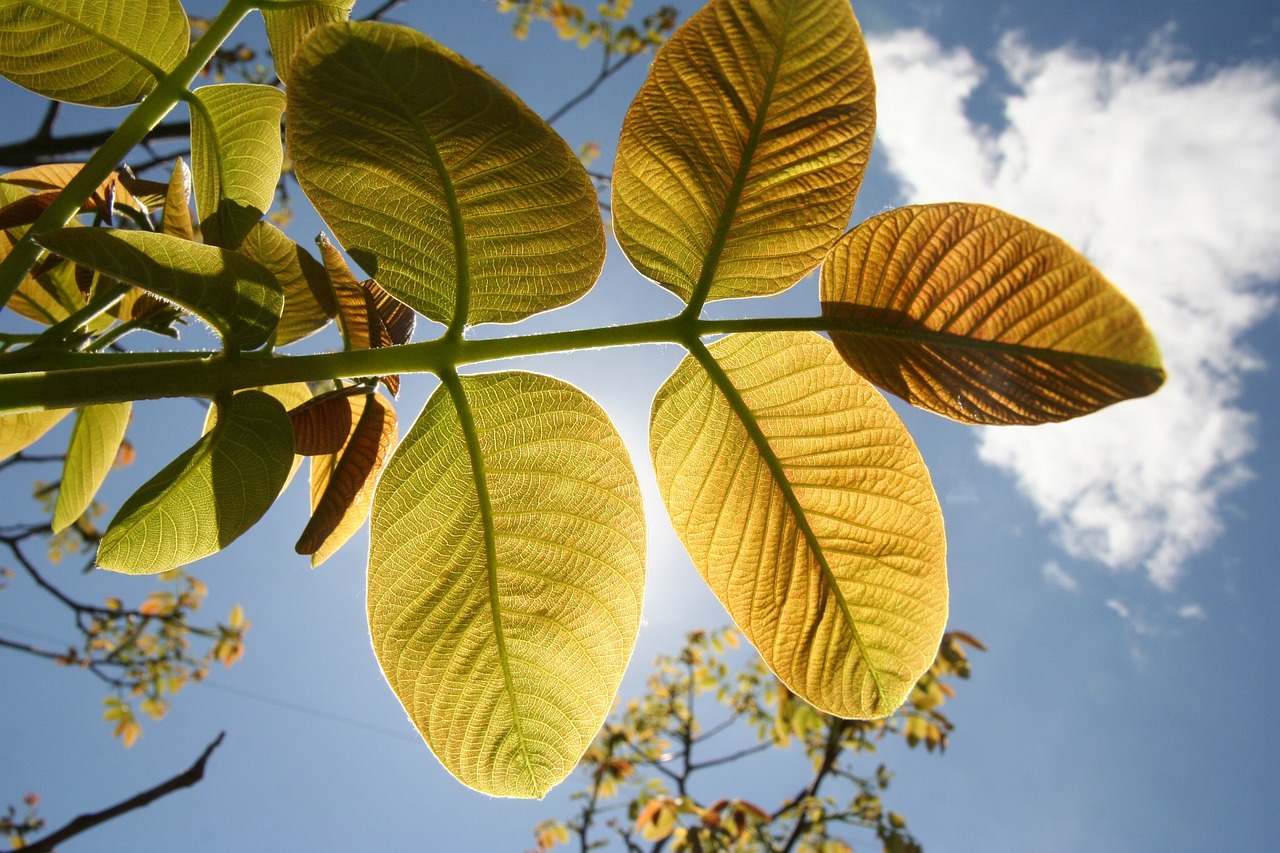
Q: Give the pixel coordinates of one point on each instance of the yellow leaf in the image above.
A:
(506, 568)
(806, 506)
(977, 315)
(741, 156)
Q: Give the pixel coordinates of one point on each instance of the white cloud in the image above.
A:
(1168, 179)
(1058, 576)
(1191, 611)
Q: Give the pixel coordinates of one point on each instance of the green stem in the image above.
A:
(168, 92)
(56, 334)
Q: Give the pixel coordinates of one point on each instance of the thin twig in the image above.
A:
(85, 822)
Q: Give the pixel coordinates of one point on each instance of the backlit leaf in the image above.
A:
(342, 484)
(363, 308)
(235, 295)
(974, 314)
(397, 318)
(209, 495)
(308, 300)
(20, 431)
(47, 294)
(287, 28)
(437, 180)
(95, 438)
(321, 425)
(104, 53)
(235, 157)
(806, 506)
(505, 577)
(740, 158)
(177, 203)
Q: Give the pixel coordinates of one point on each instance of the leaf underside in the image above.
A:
(208, 496)
(308, 299)
(287, 28)
(984, 318)
(741, 156)
(95, 439)
(91, 52)
(505, 577)
(20, 431)
(437, 180)
(234, 294)
(804, 503)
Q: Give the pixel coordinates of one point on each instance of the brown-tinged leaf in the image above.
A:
(980, 316)
(342, 484)
(321, 425)
(398, 319)
(308, 298)
(27, 209)
(358, 311)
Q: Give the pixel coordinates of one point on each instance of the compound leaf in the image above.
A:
(804, 503)
(437, 180)
(741, 156)
(236, 295)
(505, 576)
(103, 53)
(977, 315)
(95, 438)
(235, 157)
(203, 500)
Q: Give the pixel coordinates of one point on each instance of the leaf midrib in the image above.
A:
(479, 476)
(747, 418)
(727, 216)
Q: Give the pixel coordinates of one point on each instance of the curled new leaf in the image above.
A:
(103, 54)
(208, 496)
(740, 158)
(95, 438)
(806, 506)
(506, 568)
(974, 314)
(438, 181)
(321, 425)
(235, 295)
(342, 483)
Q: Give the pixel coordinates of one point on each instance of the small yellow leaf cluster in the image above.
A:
(572, 22)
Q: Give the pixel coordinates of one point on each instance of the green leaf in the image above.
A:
(103, 53)
(288, 28)
(437, 180)
(977, 315)
(235, 295)
(505, 577)
(741, 156)
(308, 299)
(209, 495)
(235, 157)
(806, 506)
(20, 431)
(95, 438)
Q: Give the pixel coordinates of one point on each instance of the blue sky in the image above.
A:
(1120, 568)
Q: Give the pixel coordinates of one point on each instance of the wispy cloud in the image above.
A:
(1058, 576)
(1167, 177)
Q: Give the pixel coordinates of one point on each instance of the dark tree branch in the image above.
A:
(85, 822)
(607, 70)
(50, 116)
(40, 150)
(376, 14)
(834, 747)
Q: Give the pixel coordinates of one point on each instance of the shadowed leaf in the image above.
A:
(342, 484)
(177, 203)
(308, 299)
(741, 156)
(237, 296)
(804, 503)
(397, 318)
(235, 157)
(209, 495)
(439, 182)
(505, 577)
(94, 52)
(974, 314)
(288, 28)
(95, 438)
